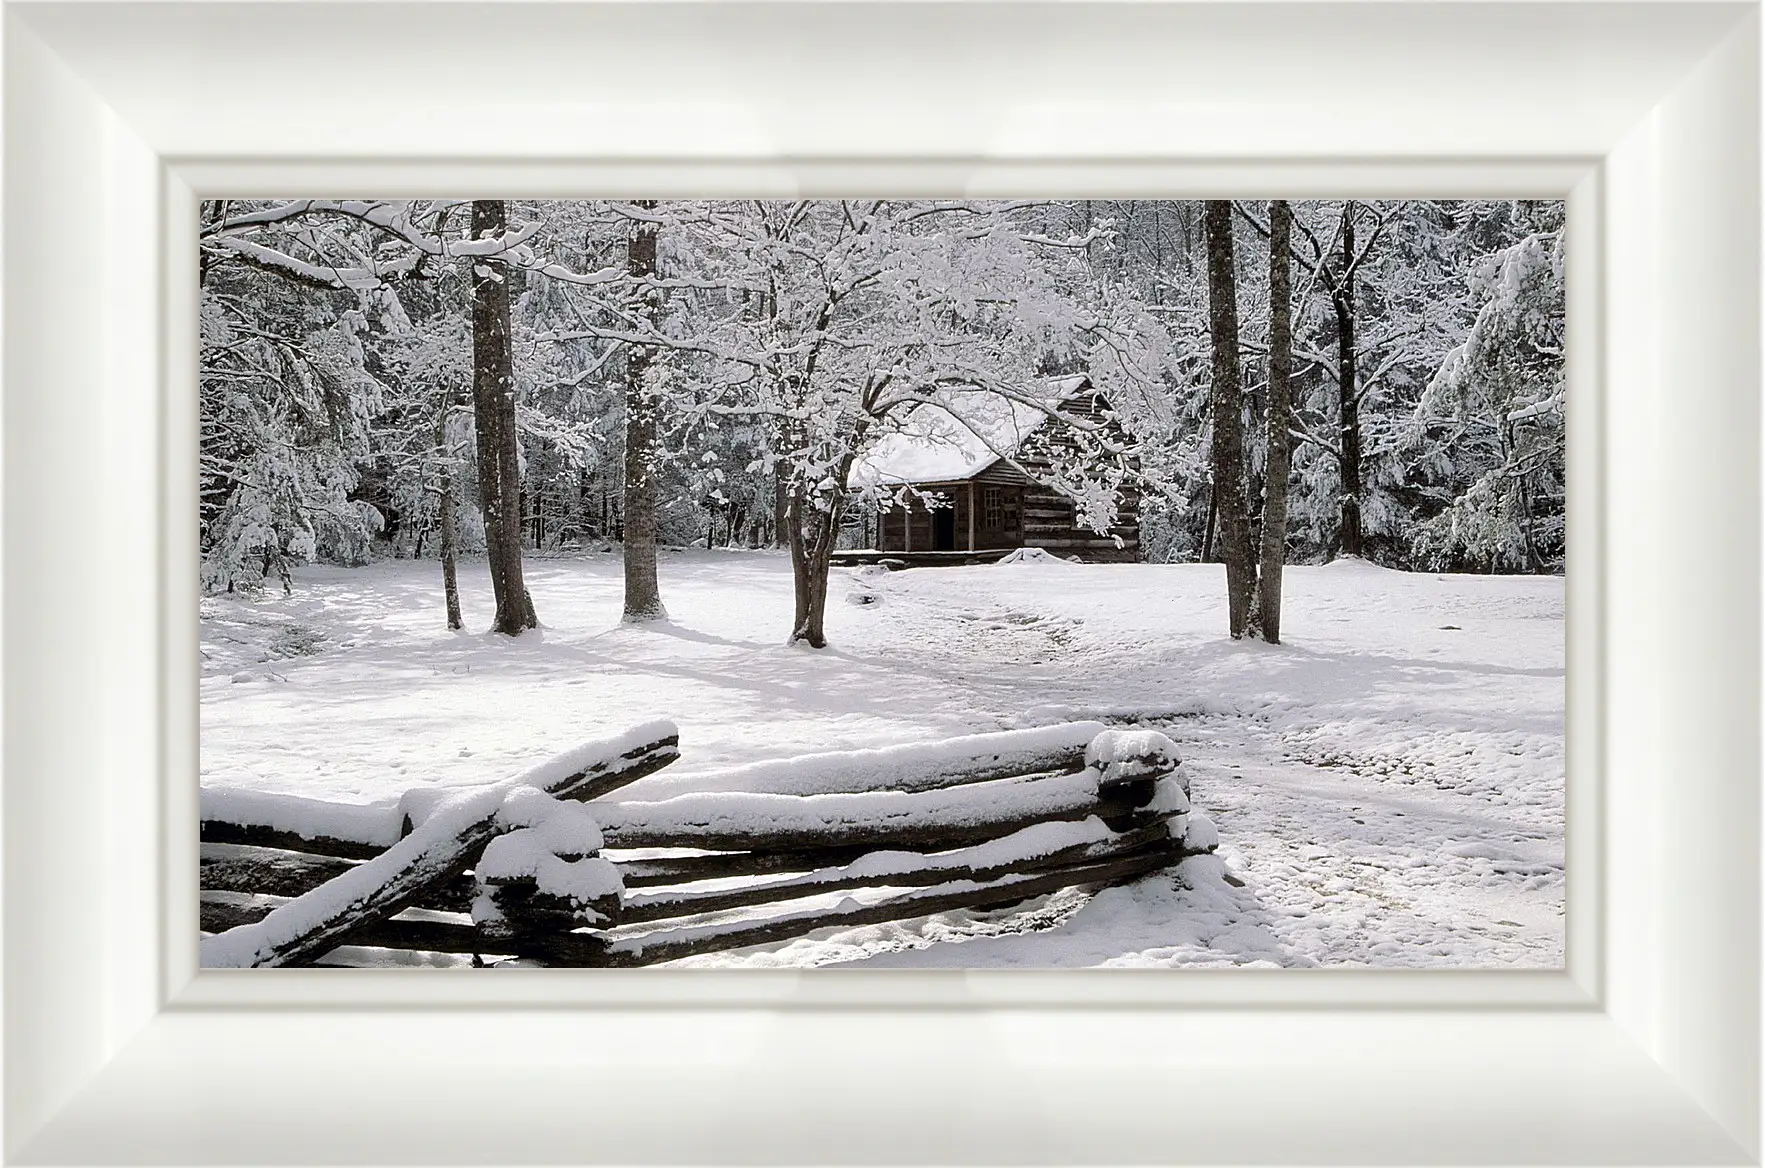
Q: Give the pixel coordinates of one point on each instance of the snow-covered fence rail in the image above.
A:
(446, 844)
(839, 839)
(927, 821)
(978, 841)
(916, 766)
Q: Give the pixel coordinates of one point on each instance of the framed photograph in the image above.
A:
(879, 544)
(1594, 993)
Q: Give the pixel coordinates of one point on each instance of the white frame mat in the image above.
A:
(119, 116)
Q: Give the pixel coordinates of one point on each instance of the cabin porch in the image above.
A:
(855, 557)
(962, 517)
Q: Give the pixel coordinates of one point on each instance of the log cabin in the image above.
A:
(982, 484)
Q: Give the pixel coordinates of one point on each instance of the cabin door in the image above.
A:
(944, 525)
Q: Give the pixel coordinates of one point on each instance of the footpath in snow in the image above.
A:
(1388, 786)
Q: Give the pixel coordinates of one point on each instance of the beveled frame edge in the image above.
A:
(186, 182)
(1642, 1003)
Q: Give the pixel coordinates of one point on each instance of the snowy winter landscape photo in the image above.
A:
(862, 584)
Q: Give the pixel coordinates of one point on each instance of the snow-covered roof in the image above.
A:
(967, 431)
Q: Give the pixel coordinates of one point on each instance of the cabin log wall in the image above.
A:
(1039, 515)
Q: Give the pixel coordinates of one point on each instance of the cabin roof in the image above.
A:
(963, 434)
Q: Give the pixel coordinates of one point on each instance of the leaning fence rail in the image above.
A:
(537, 868)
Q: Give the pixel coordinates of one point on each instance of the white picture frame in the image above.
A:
(119, 116)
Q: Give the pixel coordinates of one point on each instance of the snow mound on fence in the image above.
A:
(1033, 555)
(522, 855)
(565, 828)
(1120, 756)
(1200, 834)
(550, 844)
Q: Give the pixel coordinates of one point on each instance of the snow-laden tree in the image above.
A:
(284, 426)
(338, 270)
(1496, 406)
(1380, 299)
(287, 401)
(1378, 304)
(838, 319)
(422, 442)
(454, 259)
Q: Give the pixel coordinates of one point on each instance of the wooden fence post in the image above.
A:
(544, 878)
(1131, 765)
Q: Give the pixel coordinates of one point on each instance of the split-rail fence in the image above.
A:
(549, 868)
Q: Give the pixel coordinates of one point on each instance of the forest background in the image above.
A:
(430, 377)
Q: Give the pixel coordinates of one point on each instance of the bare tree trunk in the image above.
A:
(583, 507)
(1279, 457)
(1157, 253)
(1348, 401)
(1228, 416)
(800, 577)
(493, 401)
(450, 544)
(812, 532)
(446, 503)
(1522, 496)
(1213, 515)
(643, 596)
(781, 503)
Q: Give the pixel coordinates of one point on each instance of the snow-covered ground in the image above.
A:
(1388, 785)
